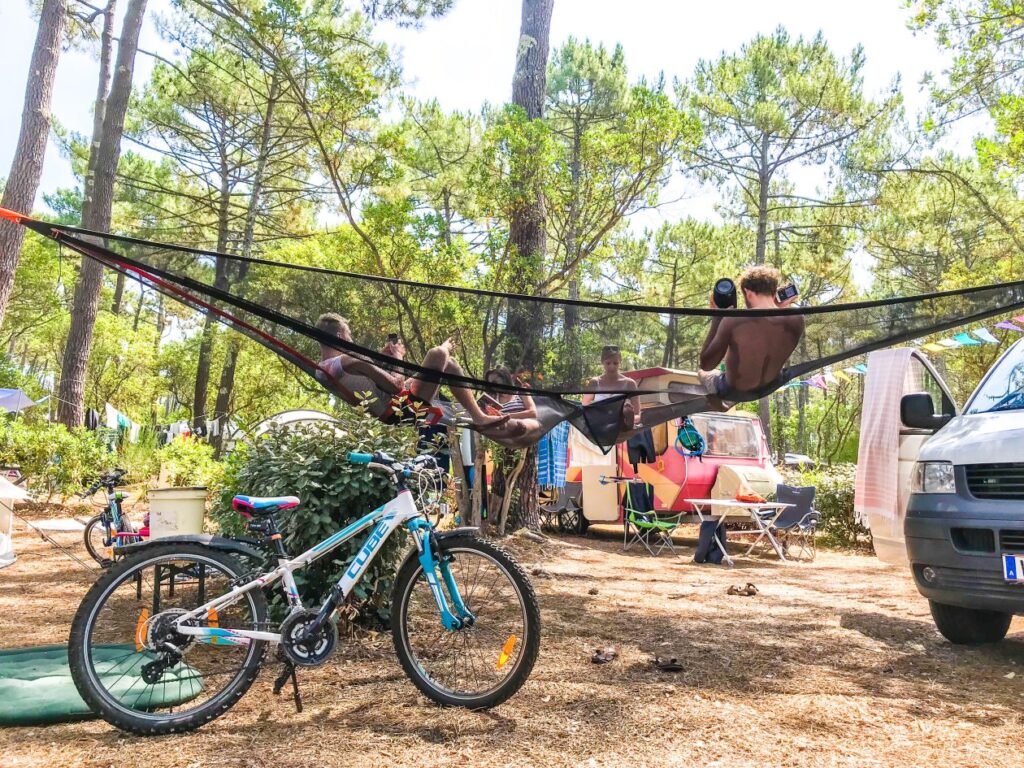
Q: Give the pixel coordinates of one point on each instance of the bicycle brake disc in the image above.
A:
(314, 649)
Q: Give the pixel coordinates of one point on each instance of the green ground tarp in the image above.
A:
(36, 686)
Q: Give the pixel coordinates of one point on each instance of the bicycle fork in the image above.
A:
(435, 562)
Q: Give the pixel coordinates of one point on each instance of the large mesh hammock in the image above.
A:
(277, 304)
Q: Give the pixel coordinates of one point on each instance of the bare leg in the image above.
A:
(439, 359)
(436, 359)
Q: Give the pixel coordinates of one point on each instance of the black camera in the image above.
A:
(724, 294)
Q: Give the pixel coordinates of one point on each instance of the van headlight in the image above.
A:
(933, 477)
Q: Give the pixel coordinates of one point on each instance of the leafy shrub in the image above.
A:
(52, 458)
(140, 459)
(309, 461)
(834, 500)
(187, 462)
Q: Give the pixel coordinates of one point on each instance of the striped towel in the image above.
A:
(552, 457)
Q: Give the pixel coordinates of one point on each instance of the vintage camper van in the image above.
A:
(737, 455)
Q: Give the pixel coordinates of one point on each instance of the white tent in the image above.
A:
(296, 416)
(9, 493)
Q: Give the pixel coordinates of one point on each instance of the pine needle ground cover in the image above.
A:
(835, 663)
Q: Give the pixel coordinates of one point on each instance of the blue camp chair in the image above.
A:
(797, 523)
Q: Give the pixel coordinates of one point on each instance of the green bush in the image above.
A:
(187, 462)
(309, 461)
(53, 459)
(834, 500)
(140, 459)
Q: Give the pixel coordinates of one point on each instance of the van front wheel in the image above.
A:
(969, 626)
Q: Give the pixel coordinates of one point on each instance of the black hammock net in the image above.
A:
(554, 344)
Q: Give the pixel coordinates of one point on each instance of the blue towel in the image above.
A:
(552, 457)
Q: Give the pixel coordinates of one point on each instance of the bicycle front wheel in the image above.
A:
(485, 662)
(131, 666)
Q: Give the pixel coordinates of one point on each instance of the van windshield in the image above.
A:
(1003, 389)
(727, 436)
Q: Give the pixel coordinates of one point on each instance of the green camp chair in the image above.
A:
(652, 532)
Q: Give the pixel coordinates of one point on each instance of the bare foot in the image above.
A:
(486, 421)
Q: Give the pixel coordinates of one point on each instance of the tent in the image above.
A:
(9, 493)
(14, 400)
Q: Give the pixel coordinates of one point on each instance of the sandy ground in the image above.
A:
(833, 663)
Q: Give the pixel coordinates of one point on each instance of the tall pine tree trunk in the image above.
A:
(221, 282)
(764, 411)
(27, 167)
(227, 373)
(102, 93)
(527, 229)
(96, 213)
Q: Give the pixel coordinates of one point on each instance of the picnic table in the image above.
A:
(706, 510)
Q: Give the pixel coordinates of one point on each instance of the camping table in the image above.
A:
(704, 507)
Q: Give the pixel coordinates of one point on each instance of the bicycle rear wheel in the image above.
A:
(481, 665)
(134, 670)
(98, 540)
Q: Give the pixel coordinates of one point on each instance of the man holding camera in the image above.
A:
(755, 348)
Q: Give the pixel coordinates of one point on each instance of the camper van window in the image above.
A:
(1003, 388)
(920, 379)
(727, 435)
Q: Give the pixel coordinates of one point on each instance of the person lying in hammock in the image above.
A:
(393, 398)
(755, 349)
(520, 407)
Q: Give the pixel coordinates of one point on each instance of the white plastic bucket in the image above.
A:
(176, 511)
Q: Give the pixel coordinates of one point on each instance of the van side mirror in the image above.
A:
(917, 411)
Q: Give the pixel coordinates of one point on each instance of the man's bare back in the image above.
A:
(758, 348)
(755, 349)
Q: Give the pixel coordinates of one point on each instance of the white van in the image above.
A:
(964, 525)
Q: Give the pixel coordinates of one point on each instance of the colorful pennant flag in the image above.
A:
(817, 382)
(842, 375)
(1007, 325)
(931, 347)
(860, 368)
(966, 339)
(830, 378)
(950, 343)
(985, 335)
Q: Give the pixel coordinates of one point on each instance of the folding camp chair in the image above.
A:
(565, 512)
(799, 522)
(640, 524)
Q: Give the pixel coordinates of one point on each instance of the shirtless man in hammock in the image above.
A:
(755, 349)
(392, 396)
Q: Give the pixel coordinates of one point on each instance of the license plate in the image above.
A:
(1013, 567)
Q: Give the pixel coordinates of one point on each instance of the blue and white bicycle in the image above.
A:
(174, 634)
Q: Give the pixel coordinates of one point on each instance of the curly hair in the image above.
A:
(761, 280)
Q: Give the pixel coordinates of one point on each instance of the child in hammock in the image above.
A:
(393, 398)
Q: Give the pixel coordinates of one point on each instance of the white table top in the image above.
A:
(738, 504)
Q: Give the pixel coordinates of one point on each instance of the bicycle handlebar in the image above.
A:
(108, 478)
(382, 461)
